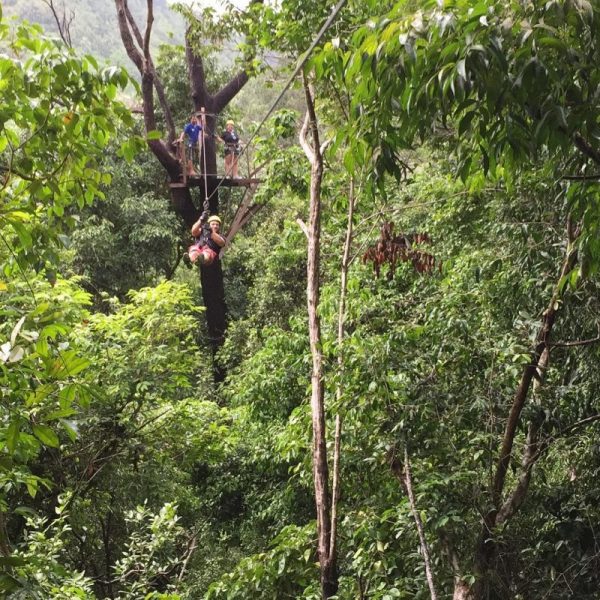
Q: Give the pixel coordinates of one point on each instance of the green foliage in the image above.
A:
(40, 375)
(144, 350)
(126, 243)
(37, 567)
(59, 112)
(428, 364)
(286, 569)
(151, 553)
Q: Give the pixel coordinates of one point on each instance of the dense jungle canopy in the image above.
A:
(402, 400)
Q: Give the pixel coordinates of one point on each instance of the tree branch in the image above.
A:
(62, 23)
(302, 138)
(581, 177)
(585, 148)
(405, 478)
(142, 59)
(575, 343)
(148, 32)
(529, 373)
(222, 98)
(126, 37)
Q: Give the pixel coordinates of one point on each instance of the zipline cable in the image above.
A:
(334, 13)
(301, 64)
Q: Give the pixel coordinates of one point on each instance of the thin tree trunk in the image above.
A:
(340, 390)
(327, 562)
(403, 474)
(4, 542)
(419, 524)
(500, 510)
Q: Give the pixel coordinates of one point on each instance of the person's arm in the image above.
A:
(197, 227)
(217, 238)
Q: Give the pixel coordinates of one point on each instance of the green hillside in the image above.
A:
(94, 27)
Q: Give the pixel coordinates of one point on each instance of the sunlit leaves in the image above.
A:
(57, 116)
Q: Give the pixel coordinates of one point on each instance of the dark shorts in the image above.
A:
(235, 150)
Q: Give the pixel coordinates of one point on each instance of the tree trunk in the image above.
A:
(137, 45)
(500, 511)
(327, 560)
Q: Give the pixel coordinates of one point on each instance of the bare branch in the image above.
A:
(585, 148)
(224, 96)
(580, 177)
(528, 376)
(137, 49)
(62, 22)
(562, 433)
(405, 477)
(192, 545)
(134, 28)
(148, 32)
(335, 495)
(302, 138)
(575, 343)
(302, 226)
(335, 487)
(238, 218)
(128, 42)
(517, 497)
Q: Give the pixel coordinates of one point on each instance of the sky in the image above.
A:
(218, 5)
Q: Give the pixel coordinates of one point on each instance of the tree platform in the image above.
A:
(198, 180)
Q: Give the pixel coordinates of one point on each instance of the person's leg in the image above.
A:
(194, 252)
(228, 164)
(208, 256)
(234, 166)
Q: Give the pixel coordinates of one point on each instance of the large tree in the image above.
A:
(136, 40)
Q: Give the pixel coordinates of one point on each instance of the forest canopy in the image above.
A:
(386, 388)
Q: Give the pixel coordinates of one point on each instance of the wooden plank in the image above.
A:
(197, 181)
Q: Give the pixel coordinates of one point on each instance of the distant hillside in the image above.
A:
(94, 29)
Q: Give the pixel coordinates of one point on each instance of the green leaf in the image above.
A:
(12, 436)
(8, 583)
(46, 435)
(69, 429)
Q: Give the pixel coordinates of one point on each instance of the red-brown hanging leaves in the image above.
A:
(390, 249)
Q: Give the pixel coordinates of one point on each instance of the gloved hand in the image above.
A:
(205, 214)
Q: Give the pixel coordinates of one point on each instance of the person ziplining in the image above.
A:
(205, 250)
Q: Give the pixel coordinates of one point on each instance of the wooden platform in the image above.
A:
(215, 180)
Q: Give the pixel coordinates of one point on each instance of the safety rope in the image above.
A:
(206, 205)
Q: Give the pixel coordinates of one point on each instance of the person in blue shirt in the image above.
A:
(193, 131)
